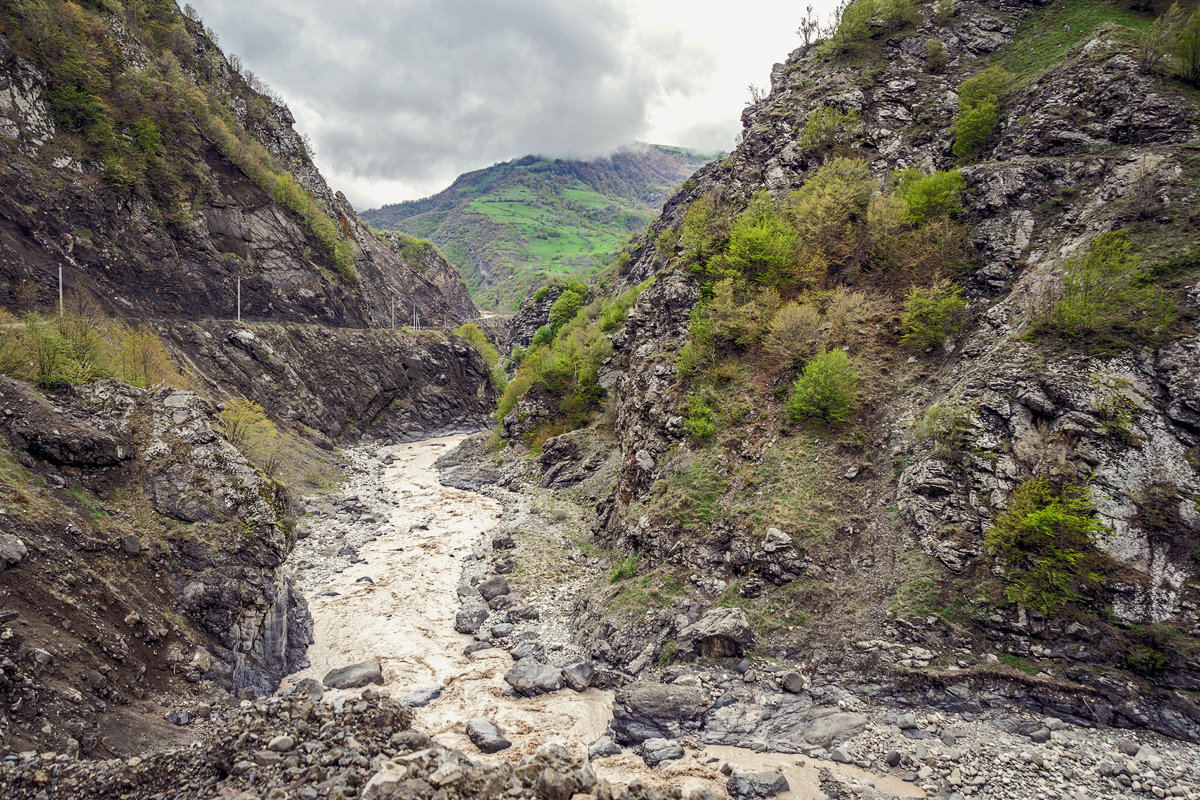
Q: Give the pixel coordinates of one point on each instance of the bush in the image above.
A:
(947, 427)
(565, 308)
(699, 236)
(1187, 49)
(888, 223)
(762, 243)
(489, 354)
(513, 393)
(698, 419)
(827, 389)
(935, 54)
(625, 569)
(1107, 301)
(248, 428)
(1045, 542)
(931, 314)
(792, 334)
(931, 196)
(826, 212)
(979, 100)
(943, 13)
(543, 335)
(829, 126)
(862, 20)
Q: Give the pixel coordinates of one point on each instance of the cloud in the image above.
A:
(403, 95)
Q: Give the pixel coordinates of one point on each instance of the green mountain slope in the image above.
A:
(509, 227)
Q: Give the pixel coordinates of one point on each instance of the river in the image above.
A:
(404, 618)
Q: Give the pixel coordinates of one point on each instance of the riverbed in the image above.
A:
(395, 601)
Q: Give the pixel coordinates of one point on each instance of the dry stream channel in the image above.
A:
(396, 604)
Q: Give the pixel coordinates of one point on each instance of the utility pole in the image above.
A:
(416, 319)
(393, 313)
(60, 291)
(239, 298)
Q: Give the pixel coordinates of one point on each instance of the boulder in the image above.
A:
(720, 633)
(487, 736)
(531, 677)
(603, 747)
(656, 751)
(745, 784)
(310, 687)
(493, 587)
(12, 550)
(579, 674)
(470, 618)
(657, 710)
(354, 676)
(792, 681)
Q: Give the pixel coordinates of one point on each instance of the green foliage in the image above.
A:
(1045, 541)
(1107, 301)
(1186, 48)
(699, 236)
(931, 196)
(863, 20)
(979, 101)
(692, 494)
(828, 211)
(489, 354)
(830, 126)
(543, 335)
(77, 348)
(565, 308)
(1145, 660)
(827, 389)
(943, 13)
(931, 313)
(762, 242)
(513, 393)
(935, 54)
(625, 569)
(248, 428)
(698, 419)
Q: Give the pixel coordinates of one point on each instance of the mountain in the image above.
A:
(903, 392)
(510, 227)
(155, 174)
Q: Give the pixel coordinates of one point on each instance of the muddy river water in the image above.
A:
(404, 619)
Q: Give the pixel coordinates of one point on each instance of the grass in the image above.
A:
(791, 489)
(778, 608)
(1044, 38)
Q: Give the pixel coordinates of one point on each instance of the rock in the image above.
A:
(1040, 736)
(355, 676)
(523, 649)
(603, 747)
(833, 726)
(656, 710)
(493, 587)
(656, 751)
(1128, 747)
(475, 647)
(745, 785)
(178, 717)
(281, 744)
(470, 618)
(421, 697)
(365, 579)
(503, 542)
(12, 550)
(503, 629)
(487, 736)
(531, 678)
(720, 633)
(775, 539)
(131, 545)
(579, 674)
(792, 681)
(842, 754)
(906, 721)
(892, 759)
(310, 687)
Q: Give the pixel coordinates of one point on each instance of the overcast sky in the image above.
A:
(401, 96)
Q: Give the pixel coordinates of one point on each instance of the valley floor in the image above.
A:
(394, 560)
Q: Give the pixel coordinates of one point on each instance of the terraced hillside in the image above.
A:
(510, 227)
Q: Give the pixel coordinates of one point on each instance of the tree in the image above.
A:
(827, 389)
(810, 26)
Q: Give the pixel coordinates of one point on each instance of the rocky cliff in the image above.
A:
(860, 544)
(138, 160)
(143, 557)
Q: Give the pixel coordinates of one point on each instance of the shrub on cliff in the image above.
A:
(489, 354)
(979, 101)
(830, 126)
(827, 389)
(1045, 540)
(248, 428)
(762, 243)
(1107, 299)
(931, 196)
(566, 307)
(931, 314)
(863, 20)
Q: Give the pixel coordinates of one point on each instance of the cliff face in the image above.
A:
(854, 542)
(398, 385)
(138, 160)
(142, 554)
